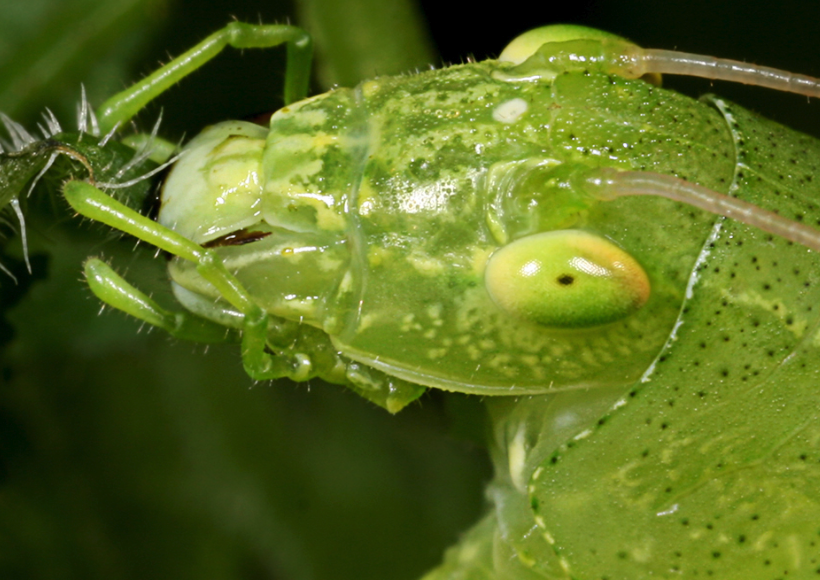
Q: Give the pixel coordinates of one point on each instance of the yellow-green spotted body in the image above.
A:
(384, 204)
(428, 226)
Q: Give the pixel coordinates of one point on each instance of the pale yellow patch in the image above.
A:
(366, 321)
(436, 353)
(799, 324)
(379, 256)
(315, 117)
(426, 265)
(305, 306)
(478, 258)
(517, 458)
(370, 88)
(510, 111)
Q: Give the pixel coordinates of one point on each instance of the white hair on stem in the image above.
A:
(87, 123)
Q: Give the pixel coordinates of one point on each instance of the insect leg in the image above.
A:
(92, 203)
(112, 289)
(124, 105)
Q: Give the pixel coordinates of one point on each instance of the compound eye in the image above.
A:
(566, 279)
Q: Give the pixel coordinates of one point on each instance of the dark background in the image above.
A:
(781, 35)
(124, 454)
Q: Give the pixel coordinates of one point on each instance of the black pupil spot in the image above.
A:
(565, 279)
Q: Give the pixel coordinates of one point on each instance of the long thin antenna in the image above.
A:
(608, 184)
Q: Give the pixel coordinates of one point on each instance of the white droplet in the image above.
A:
(510, 111)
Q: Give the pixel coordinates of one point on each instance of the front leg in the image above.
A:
(92, 203)
(123, 106)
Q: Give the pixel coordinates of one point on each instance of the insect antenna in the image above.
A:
(608, 184)
(632, 61)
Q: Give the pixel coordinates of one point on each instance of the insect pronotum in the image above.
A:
(526, 226)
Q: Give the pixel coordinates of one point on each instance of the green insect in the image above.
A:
(486, 229)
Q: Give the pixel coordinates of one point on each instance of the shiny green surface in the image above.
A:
(384, 204)
(619, 498)
(735, 497)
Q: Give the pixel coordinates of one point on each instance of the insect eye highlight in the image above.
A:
(566, 279)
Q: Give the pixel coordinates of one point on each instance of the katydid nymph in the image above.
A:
(542, 230)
